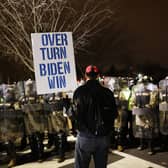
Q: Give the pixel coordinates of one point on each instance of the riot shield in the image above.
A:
(11, 120)
(35, 117)
(145, 110)
(163, 106)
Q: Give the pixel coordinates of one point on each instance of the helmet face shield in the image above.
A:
(144, 78)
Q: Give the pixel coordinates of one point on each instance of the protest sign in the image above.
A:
(54, 63)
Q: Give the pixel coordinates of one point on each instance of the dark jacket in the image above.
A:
(95, 108)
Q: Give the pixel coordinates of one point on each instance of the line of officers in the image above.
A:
(26, 117)
(143, 112)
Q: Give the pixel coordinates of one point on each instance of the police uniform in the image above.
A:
(125, 117)
(57, 126)
(11, 122)
(163, 112)
(145, 102)
(35, 120)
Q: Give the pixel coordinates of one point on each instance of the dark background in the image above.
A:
(137, 42)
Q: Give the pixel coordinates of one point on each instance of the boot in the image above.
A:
(56, 144)
(62, 146)
(40, 146)
(141, 146)
(33, 146)
(150, 146)
(12, 163)
(23, 143)
(61, 159)
(120, 148)
(11, 151)
(50, 140)
(120, 139)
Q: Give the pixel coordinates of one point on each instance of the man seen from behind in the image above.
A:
(94, 112)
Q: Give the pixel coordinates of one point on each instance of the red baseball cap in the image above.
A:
(91, 69)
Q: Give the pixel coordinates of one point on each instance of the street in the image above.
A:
(130, 158)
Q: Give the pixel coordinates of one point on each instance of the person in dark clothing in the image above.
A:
(94, 112)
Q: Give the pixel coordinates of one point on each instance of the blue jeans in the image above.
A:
(88, 146)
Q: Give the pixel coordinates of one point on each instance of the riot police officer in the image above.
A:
(125, 130)
(163, 112)
(34, 118)
(57, 126)
(11, 122)
(145, 102)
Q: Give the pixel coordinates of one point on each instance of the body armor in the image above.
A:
(34, 118)
(11, 119)
(144, 103)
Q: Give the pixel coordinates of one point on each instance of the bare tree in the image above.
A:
(20, 18)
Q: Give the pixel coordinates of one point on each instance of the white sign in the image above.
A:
(54, 63)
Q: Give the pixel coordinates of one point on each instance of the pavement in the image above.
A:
(116, 160)
(130, 158)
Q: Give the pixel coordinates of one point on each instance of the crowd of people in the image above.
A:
(102, 112)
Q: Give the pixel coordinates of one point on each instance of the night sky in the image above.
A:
(136, 42)
(147, 23)
(138, 39)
